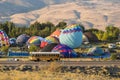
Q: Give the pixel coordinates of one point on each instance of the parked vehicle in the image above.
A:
(44, 56)
(111, 45)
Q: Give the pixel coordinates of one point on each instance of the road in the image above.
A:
(64, 63)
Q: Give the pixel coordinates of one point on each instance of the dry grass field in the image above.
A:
(57, 72)
(46, 75)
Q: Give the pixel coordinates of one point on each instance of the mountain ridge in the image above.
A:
(91, 13)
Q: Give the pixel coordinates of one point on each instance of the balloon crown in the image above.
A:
(71, 29)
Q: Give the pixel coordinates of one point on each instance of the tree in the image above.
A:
(36, 25)
(113, 32)
(92, 30)
(61, 25)
(45, 32)
(105, 36)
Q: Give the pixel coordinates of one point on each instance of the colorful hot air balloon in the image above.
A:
(65, 51)
(71, 36)
(35, 40)
(44, 43)
(56, 33)
(4, 40)
(52, 39)
(22, 39)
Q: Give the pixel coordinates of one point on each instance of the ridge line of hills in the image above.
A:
(91, 13)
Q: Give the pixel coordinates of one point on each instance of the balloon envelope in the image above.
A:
(44, 43)
(52, 39)
(35, 40)
(22, 39)
(71, 36)
(96, 51)
(56, 33)
(65, 51)
(4, 40)
(49, 47)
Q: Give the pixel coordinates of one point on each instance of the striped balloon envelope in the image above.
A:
(65, 51)
(34, 40)
(52, 39)
(4, 40)
(56, 33)
(71, 36)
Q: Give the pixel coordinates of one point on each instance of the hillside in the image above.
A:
(91, 13)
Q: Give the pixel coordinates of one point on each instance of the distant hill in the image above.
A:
(91, 13)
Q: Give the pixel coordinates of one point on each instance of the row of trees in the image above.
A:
(40, 29)
(111, 33)
(45, 29)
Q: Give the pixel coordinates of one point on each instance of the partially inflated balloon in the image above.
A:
(4, 40)
(95, 51)
(65, 51)
(49, 47)
(35, 40)
(71, 36)
(44, 43)
(22, 39)
(52, 39)
(56, 33)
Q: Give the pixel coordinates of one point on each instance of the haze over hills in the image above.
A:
(91, 13)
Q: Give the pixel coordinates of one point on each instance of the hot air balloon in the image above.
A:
(22, 39)
(71, 36)
(4, 40)
(52, 39)
(97, 52)
(56, 33)
(34, 40)
(65, 51)
(49, 47)
(44, 43)
(91, 37)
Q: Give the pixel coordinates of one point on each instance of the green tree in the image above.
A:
(105, 36)
(61, 25)
(45, 32)
(113, 32)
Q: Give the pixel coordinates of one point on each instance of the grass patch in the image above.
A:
(57, 72)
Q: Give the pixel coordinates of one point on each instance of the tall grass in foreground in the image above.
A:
(56, 71)
(44, 75)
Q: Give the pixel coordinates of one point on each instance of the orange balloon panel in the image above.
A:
(56, 33)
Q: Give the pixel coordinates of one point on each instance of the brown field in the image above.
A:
(57, 72)
(45, 75)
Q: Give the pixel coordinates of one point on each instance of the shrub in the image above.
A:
(113, 57)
